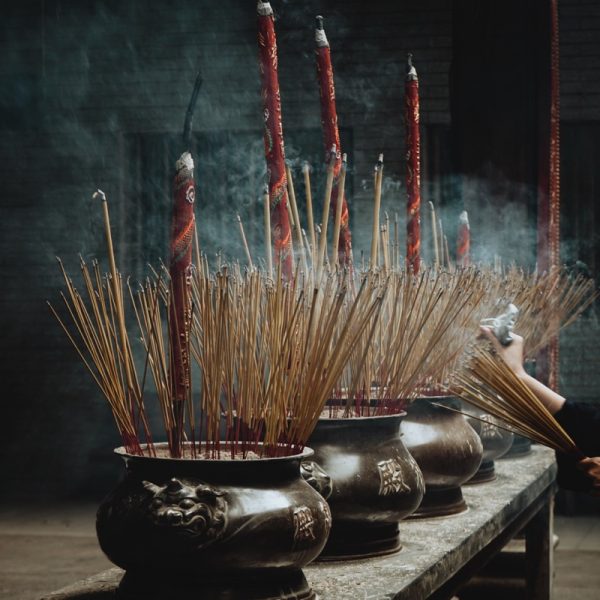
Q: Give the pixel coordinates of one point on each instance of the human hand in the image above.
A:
(591, 467)
(511, 354)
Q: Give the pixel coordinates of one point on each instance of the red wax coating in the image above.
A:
(331, 137)
(182, 235)
(463, 241)
(413, 174)
(273, 134)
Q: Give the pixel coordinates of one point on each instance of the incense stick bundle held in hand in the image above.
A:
(488, 382)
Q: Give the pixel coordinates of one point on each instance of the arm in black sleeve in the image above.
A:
(582, 422)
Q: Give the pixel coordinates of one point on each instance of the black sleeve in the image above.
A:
(582, 422)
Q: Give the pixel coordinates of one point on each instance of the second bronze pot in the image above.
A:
(447, 450)
(375, 483)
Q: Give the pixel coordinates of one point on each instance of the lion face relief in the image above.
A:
(198, 511)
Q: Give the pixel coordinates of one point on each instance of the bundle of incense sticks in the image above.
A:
(487, 382)
(549, 303)
(269, 354)
(426, 320)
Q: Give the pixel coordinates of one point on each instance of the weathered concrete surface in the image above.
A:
(434, 549)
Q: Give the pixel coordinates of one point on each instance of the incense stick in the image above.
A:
(338, 212)
(245, 243)
(267, 220)
(378, 178)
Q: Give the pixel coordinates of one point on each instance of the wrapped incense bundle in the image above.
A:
(463, 242)
(182, 236)
(413, 168)
(273, 135)
(331, 137)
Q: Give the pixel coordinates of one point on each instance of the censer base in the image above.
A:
(145, 586)
(486, 473)
(351, 540)
(440, 502)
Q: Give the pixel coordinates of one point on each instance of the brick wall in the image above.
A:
(580, 191)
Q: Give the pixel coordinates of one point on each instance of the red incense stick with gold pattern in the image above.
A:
(413, 168)
(180, 265)
(331, 136)
(273, 135)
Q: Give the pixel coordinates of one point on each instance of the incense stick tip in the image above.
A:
(411, 72)
(99, 194)
(263, 8)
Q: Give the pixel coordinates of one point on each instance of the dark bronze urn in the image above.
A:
(447, 450)
(374, 484)
(495, 440)
(213, 529)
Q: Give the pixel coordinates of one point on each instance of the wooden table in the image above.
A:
(439, 555)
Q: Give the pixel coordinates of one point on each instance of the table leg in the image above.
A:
(539, 553)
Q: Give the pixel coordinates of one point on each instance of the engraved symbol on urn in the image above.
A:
(304, 523)
(196, 510)
(327, 512)
(391, 480)
(489, 431)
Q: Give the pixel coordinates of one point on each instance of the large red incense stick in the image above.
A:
(182, 235)
(413, 168)
(463, 241)
(274, 149)
(548, 242)
(331, 136)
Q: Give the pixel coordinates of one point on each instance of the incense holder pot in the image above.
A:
(495, 441)
(213, 529)
(374, 483)
(447, 450)
(521, 446)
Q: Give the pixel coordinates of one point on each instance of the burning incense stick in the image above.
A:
(378, 180)
(325, 217)
(267, 221)
(434, 235)
(441, 236)
(245, 243)
(413, 168)
(309, 213)
(294, 207)
(335, 253)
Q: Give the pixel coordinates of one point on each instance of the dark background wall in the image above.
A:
(93, 94)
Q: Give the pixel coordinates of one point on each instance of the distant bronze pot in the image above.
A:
(496, 442)
(447, 450)
(234, 529)
(521, 446)
(374, 483)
